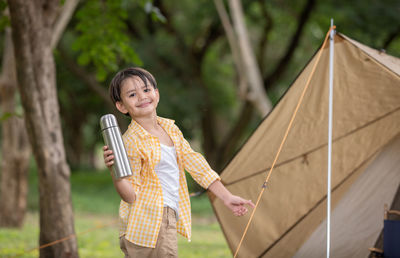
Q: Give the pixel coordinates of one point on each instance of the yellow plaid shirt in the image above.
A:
(140, 222)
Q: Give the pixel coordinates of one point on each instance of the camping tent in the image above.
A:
(290, 219)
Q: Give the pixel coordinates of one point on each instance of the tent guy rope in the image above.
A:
(66, 238)
(264, 186)
(102, 225)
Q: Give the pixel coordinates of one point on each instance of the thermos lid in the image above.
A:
(107, 121)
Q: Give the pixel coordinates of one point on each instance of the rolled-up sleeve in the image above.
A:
(197, 166)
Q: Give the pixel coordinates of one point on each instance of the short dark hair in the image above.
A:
(121, 76)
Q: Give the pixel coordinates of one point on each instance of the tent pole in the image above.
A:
(328, 218)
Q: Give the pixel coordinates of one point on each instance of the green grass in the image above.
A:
(92, 192)
(207, 241)
(16, 241)
(95, 205)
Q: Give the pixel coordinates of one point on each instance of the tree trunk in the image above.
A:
(257, 93)
(32, 24)
(232, 41)
(15, 146)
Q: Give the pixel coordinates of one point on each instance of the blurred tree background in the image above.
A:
(184, 45)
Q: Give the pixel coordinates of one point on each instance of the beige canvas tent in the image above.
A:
(290, 219)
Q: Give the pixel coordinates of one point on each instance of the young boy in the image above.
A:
(155, 201)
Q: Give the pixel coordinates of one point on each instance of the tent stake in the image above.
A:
(328, 218)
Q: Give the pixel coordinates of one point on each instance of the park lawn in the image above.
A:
(95, 204)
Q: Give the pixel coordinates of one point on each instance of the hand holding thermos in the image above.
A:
(113, 140)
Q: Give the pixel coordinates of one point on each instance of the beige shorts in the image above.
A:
(167, 241)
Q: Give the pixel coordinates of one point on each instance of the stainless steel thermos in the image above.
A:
(112, 138)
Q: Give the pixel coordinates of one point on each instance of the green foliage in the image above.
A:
(369, 21)
(4, 19)
(220, 80)
(103, 39)
(5, 116)
(184, 46)
(155, 13)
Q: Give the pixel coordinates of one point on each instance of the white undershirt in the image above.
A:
(167, 171)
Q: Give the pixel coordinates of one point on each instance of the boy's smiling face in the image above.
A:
(137, 99)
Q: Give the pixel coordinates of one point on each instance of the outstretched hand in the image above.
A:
(237, 205)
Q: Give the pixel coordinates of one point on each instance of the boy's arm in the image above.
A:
(125, 190)
(122, 185)
(202, 173)
(235, 203)
(196, 165)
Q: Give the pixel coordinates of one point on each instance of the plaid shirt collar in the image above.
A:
(136, 127)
